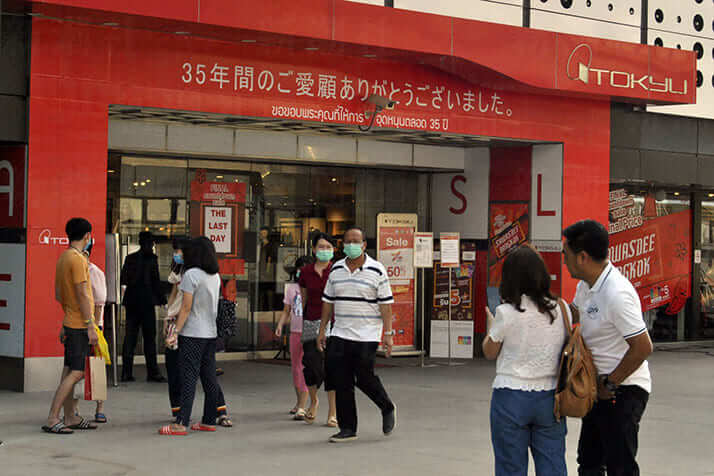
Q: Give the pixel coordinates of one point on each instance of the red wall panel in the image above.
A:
(510, 174)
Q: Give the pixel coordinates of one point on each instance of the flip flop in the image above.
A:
(331, 422)
(225, 422)
(83, 425)
(168, 431)
(202, 427)
(300, 414)
(294, 410)
(100, 418)
(310, 418)
(58, 428)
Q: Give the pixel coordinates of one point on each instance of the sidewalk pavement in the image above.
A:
(442, 427)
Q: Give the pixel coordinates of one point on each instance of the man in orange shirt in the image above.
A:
(73, 291)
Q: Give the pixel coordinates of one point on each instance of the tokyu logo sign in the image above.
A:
(579, 68)
(46, 238)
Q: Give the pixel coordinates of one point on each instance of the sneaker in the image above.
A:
(389, 420)
(343, 436)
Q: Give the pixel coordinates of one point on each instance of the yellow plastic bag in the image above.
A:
(102, 348)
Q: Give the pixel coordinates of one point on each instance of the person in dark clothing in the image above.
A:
(140, 275)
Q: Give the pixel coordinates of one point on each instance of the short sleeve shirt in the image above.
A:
(356, 297)
(73, 268)
(294, 300)
(611, 313)
(314, 284)
(205, 289)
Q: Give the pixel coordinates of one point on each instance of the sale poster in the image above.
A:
(395, 250)
(653, 252)
(218, 227)
(508, 229)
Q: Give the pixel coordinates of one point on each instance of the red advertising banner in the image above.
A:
(217, 211)
(395, 247)
(656, 258)
(508, 228)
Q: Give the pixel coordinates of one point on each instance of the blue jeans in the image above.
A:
(522, 420)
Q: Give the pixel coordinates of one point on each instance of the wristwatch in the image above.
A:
(390, 333)
(608, 384)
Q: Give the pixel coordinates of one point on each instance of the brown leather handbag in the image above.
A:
(576, 391)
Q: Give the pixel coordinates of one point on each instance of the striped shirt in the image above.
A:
(356, 297)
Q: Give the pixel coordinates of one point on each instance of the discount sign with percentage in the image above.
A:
(395, 248)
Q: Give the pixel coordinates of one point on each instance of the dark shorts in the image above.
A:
(76, 348)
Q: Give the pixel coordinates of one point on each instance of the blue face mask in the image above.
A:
(324, 255)
(88, 247)
(297, 274)
(353, 250)
(178, 258)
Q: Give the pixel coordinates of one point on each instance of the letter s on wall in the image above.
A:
(459, 195)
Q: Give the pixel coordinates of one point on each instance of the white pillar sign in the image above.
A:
(217, 227)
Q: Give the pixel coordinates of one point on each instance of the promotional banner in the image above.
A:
(395, 250)
(217, 209)
(653, 252)
(508, 228)
(461, 300)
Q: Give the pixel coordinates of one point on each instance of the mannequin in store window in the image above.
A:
(268, 257)
(140, 276)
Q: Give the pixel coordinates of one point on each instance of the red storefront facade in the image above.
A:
(494, 81)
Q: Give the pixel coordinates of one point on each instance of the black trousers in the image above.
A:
(143, 319)
(174, 378)
(352, 363)
(608, 436)
(197, 359)
(313, 364)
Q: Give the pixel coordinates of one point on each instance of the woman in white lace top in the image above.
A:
(526, 336)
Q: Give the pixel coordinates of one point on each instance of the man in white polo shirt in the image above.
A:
(614, 330)
(359, 295)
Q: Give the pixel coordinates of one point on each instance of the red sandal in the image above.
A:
(168, 431)
(202, 427)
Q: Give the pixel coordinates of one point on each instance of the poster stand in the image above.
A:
(423, 258)
(450, 258)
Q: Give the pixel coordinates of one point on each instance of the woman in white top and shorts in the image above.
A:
(527, 337)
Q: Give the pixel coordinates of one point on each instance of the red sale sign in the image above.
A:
(395, 250)
(656, 258)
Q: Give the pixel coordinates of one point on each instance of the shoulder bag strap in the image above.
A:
(564, 312)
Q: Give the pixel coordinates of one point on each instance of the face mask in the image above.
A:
(297, 274)
(353, 250)
(88, 247)
(178, 259)
(324, 255)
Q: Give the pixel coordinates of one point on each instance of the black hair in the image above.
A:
(201, 253)
(524, 272)
(299, 263)
(589, 236)
(76, 228)
(322, 236)
(146, 237)
(354, 227)
(266, 228)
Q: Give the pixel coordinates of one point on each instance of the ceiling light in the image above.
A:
(248, 41)
(269, 204)
(219, 177)
(110, 171)
(711, 195)
(676, 194)
(265, 174)
(148, 180)
(143, 184)
(136, 184)
(333, 179)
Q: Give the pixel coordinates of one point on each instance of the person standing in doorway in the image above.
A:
(292, 314)
(614, 330)
(266, 275)
(140, 275)
(73, 291)
(360, 297)
(312, 285)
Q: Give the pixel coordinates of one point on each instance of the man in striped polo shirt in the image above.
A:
(359, 295)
